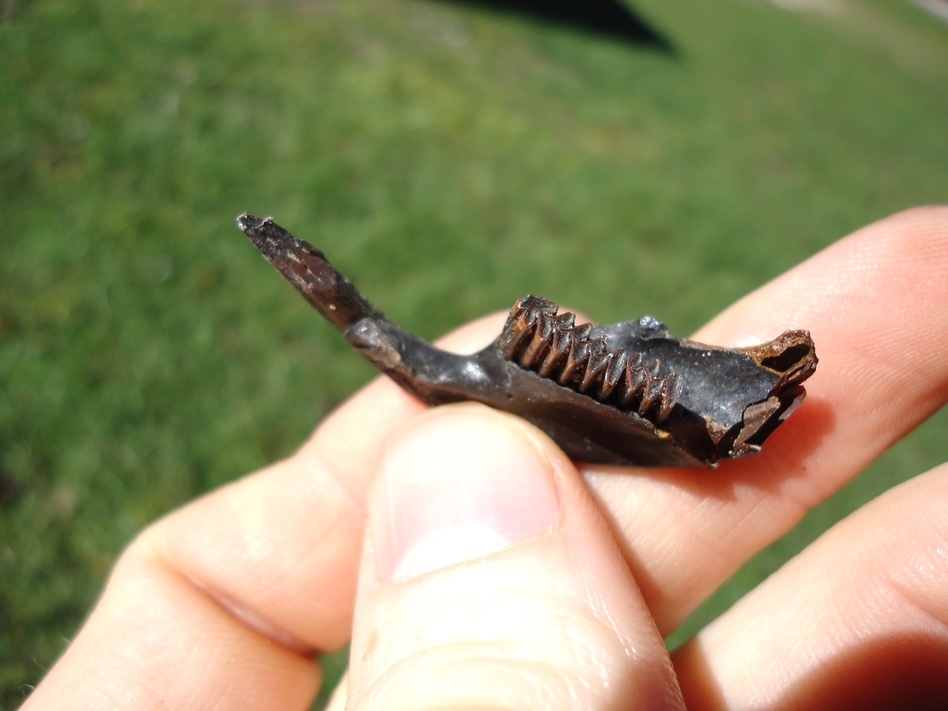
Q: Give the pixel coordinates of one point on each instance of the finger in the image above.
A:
(281, 548)
(157, 641)
(877, 306)
(221, 600)
(858, 620)
(339, 699)
(489, 580)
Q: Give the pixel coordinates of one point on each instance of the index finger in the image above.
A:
(876, 304)
(283, 545)
(221, 603)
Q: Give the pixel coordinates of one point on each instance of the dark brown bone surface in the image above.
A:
(627, 394)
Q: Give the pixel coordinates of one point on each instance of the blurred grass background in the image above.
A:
(449, 159)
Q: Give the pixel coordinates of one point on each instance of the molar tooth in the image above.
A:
(560, 344)
(549, 331)
(635, 381)
(526, 317)
(582, 331)
(596, 367)
(671, 389)
(515, 333)
(651, 397)
(565, 320)
(579, 352)
(614, 373)
(538, 346)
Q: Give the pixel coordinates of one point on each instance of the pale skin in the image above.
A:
(472, 565)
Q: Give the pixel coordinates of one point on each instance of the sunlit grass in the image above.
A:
(449, 159)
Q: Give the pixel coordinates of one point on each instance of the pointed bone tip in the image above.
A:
(267, 236)
(250, 223)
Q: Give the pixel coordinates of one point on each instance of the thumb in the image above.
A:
(490, 580)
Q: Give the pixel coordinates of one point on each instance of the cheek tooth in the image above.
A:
(561, 343)
(577, 358)
(614, 373)
(670, 391)
(595, 370)
(652, 396)
(634, 381)
(536, 349)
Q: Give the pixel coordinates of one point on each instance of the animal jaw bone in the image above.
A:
(626, 394)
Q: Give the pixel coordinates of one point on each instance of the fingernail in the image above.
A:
(462, 485)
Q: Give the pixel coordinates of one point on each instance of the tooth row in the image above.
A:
(538, 338)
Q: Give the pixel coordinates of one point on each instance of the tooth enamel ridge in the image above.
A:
(549, 343)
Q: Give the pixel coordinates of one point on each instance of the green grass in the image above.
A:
(450, 160)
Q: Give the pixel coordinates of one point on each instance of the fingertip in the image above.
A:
(488, 573)
(471, 337)
(443, 497)
(859, 619)
(862, 275)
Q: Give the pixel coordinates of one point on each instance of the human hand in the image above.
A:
(494, 574)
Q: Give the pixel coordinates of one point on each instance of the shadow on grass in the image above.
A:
(606, 18)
